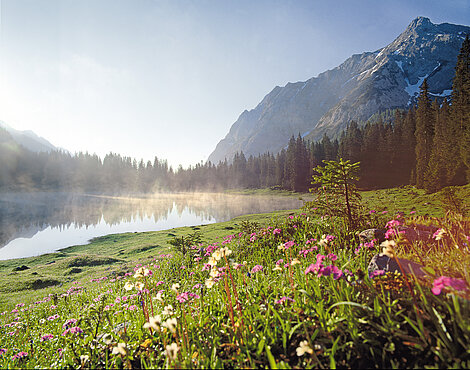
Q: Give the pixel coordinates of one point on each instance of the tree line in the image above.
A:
(427, 145)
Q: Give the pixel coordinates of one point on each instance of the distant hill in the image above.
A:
(362, 86)
(28, 139)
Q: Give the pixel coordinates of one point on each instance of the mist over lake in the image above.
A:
(36, 223)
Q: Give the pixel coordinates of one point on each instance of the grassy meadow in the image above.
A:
(283, 290)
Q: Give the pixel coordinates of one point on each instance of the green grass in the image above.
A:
(256, 314)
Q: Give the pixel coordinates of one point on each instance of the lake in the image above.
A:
(32, 224)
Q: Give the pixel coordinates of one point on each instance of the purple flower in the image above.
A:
(377, 273)
(332, 257)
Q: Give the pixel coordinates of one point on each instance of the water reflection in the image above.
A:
(36, 223)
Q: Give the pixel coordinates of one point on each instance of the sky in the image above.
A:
(146, 78)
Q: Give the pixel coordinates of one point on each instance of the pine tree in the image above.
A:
(424, 134)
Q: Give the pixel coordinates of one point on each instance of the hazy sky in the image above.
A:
(147, 78)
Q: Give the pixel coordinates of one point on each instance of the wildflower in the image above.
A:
(3, 350)
(295, 261)
(226, 252)
(197, 286)
(217, 255)
(214, 273)
(19, 355)
(388, 248)
(84, 359)
(439, 234)
(175, 287)
(332, 257)
(183, 297)
(444, 281)
(210, 282)
(107, 338)
(154, 323)
(276, 231)
(171, 324)
(212, 261)
(280, 247)
(160, 283)
(303, 348)
(376, 273)
(257, 268)
(128, 285)
(159, 296)
(171, 351)
(139, 285)
(68, 323)
(284, 299)
(168, 310)
(120, 349)
(277, 268)
(46, 337)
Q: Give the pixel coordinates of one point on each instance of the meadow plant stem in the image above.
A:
(235, 293)
(229, 302)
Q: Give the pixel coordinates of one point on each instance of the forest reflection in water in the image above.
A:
(36, 223)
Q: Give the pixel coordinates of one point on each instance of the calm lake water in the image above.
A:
(36, 223)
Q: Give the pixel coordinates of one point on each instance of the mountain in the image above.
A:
(363, 85)
(28, 139)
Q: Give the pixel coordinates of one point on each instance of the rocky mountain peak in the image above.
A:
(361, 86)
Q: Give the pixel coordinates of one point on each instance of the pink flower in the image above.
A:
(46, 337)
(284, 299)
(19, 355)
(332, 257)
(276, 231)
(279, 262)
(444, 281)
(377, 273)
(256, 268)
(289, 244)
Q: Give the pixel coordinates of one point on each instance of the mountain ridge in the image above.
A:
(361, 86)
(29, 139)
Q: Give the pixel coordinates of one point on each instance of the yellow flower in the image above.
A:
(303, 348)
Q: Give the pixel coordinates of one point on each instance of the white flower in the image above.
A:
(175, 287)
(84, 359)
(212, 261)
(107, 338)
(172, 350)
(388, 248)
(159, 297)
(281, 247)
(214, 273)
(210, 283)
(168, 310)
(120, 349)
(171, 324)
(295, 261)
(277, 268)
(128, 285)
(217, 255)
(154, 323)
(139, 285)
(303, 348)
(226, 252)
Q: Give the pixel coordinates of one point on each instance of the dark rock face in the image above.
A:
(382, 262)
(363, 85)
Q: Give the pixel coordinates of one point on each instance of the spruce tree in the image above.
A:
(424, 134)
(461, 105)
